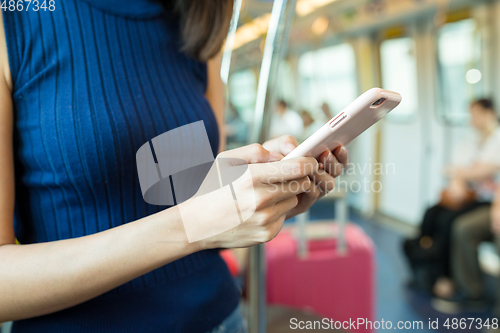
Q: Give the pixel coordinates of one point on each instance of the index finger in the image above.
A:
(342, 155)
(283, 144)
(286, 170)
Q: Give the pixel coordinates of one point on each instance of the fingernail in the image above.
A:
(288, 148)
(329, 158)
(343, 152)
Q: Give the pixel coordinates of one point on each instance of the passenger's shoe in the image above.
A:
(459, 302)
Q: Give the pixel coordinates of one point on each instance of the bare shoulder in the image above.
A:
(4, 58)
(6, 145)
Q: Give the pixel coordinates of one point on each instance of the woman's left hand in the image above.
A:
(324, 179)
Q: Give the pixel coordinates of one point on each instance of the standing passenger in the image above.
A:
(82, 88)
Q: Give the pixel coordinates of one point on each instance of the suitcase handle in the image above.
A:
(301, 238)
(341, 211)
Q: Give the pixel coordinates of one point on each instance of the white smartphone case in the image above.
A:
(365, 111)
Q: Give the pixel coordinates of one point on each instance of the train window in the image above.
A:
(397, 57)
(327, 75)
(460, 72)
(242, 86)
(286, 86)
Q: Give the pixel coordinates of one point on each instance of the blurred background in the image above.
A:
(441, 56)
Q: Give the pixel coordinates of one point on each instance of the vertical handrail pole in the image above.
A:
(341, 211)
(301, 221)
(274, 50)
(228, 46)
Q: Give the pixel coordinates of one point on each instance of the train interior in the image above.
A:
(345, 260)
(440, 55)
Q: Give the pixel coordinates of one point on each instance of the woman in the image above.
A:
(82, 87)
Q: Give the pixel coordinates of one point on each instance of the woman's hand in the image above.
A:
(323, 179)
(265, 193)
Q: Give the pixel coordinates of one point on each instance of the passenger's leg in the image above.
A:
(497, 303)
(468, 231)
(446, 226)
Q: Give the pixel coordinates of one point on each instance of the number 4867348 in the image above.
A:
(25, 5)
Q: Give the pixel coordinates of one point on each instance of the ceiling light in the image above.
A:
(251, 31)
(320, 25)
(473, 76)
(305, 7)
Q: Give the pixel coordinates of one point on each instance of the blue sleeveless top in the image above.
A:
(93, 81)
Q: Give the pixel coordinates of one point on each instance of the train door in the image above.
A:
(401, 138)
(461, 80)
(443, 65)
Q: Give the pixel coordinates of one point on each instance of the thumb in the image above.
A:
(251, 154)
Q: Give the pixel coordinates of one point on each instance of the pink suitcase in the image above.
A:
(333, 285)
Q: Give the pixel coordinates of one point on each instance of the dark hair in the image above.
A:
(307, 114)
(486, 103)
(282, 103)
(204, 25)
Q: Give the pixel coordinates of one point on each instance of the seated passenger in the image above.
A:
(481, 224)
(471, 185)
(327, 112)
(285, 122)
(311, 125)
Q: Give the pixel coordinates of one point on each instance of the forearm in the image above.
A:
(477, 172)
(42, 278)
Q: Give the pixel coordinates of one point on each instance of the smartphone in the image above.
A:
(365, 111)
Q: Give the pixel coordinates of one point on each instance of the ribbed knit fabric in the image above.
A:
(93, 81)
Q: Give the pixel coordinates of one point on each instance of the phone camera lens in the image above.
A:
(379, 102)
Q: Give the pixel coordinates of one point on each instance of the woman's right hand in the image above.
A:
(265, 193)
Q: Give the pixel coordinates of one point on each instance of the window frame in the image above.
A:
(442, 115)
(392, 34)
